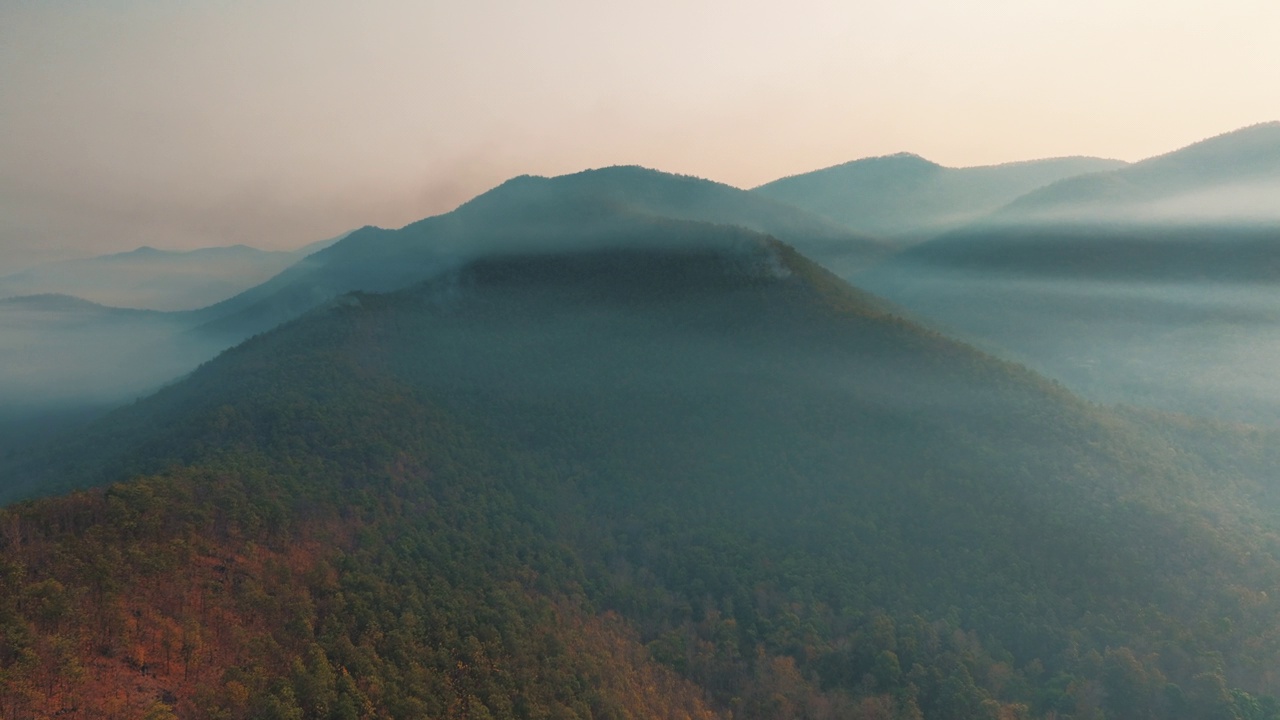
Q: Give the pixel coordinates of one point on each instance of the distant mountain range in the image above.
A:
(152, 279)
(905, 198)
(1231, 179)
(1151, 284)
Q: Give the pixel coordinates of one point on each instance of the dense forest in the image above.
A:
(698, 479)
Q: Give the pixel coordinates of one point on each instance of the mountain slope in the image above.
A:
(526, 212)
(797, 502)
(907, 198)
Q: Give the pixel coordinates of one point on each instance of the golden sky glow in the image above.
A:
(274, 123)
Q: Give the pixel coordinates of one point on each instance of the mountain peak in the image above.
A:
(605, 209)
(895, 162)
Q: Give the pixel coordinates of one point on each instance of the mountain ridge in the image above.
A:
(1239, 158)
(907, 198)
(610, 205)
(149, 278)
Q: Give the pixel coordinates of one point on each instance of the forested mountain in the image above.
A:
(91, 365)
(529, 212)
(1152, 284)
(153, 279)
(658, 469)
(905, 198)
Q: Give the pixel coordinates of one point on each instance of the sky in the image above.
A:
(275, 123)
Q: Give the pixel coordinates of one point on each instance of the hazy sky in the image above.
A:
(269, 122)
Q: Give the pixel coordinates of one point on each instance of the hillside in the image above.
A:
(906, 198)
(677, 471)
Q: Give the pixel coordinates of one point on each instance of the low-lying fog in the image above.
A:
(62, 358)
(1238, 204)
(1196, 346)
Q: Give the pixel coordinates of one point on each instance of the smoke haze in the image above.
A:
(179, 126)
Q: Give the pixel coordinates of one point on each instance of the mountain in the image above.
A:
(906, 198)
(526, 212)
(97, 360)
(1151, 284)
(1231, 179)
(152, 350)
(156, 279)
(658, 468)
